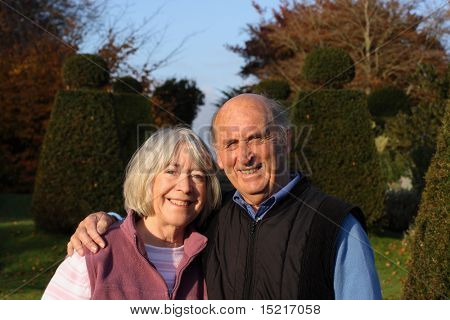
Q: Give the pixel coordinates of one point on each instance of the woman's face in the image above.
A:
(179, 192)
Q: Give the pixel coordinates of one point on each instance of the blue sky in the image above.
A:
(204, 58)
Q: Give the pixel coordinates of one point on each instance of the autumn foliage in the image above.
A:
(386, 39)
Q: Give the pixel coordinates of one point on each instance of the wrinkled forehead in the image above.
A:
(242, 118)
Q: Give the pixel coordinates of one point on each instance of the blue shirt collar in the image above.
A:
(267, 204)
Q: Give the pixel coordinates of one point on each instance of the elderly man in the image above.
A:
(276, 237)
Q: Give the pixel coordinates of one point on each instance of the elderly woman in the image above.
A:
(170, 185)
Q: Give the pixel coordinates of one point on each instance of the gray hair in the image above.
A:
(154, 156)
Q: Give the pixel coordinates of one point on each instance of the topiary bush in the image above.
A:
(135, 123)
(329, 67)
(387, 102)
(340, 149)
(273, 89)
(90, 138)
(127, 85)
(80, 168)
(429, 267)
(85, 71)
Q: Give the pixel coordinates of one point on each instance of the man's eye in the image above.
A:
(256, 140)
(230, 144)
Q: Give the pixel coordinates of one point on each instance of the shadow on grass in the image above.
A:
(24, 251)
(384, 233)
(15, 206)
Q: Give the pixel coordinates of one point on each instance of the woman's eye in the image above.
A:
(198, 177)
(171, 172)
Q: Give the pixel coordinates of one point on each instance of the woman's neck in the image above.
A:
(159, 236)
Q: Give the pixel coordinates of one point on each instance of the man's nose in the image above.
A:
(245, 153)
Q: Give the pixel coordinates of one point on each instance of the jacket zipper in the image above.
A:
(248, 285)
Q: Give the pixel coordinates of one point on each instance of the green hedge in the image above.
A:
(134, 121)
(273, 89)
(387, 102)
(127, 85)
(80, 168)
(429, 269)
(331, 67)
(85, 71)
(340, 149)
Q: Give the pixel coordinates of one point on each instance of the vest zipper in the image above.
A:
(152, 266)
(178, 278)
(248, 285)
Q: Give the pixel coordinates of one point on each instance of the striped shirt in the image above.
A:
(71, 279)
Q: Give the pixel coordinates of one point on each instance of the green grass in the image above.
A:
(26, 253)
(391, 254)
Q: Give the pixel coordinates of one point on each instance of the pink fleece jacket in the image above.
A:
(122, 269)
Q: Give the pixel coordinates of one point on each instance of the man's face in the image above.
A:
(248, 149)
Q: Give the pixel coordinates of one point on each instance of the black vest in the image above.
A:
(289, 254)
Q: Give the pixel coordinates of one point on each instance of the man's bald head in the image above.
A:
(274, 112)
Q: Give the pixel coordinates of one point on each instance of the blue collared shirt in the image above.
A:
(355, 276)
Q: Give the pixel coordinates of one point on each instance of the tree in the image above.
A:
(32, 56)
(387, 39)
(36, 37)
(176, 102)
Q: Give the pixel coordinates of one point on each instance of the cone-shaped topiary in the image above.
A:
(387, 102)
(330, 67)
(80, 168)
(340, 148)
(85, 71)
(135, 122)
(429, 267)
(90, 138)
(273, 89)
(127, 85)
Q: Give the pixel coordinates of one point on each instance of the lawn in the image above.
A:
(391, 253)
(26, 253)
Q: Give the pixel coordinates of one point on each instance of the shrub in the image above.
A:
(429, 267)
(134, 121)
(127, 85)
(80, 169)
(274, 89)
(85, 71)
(387, 102)
(331, 67)
(340, 149)
(176, 102)
(400, 208)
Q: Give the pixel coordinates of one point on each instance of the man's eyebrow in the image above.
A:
(226, 141)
